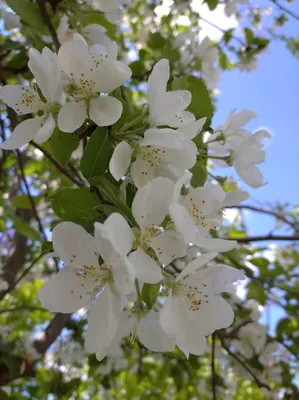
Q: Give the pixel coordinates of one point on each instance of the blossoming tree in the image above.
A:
(121, 274)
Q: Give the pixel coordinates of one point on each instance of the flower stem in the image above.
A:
(138, 291)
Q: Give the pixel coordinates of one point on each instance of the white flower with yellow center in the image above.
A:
(160, 149)
(90, 71)
(149, 208)
(200, 210)
(25, 100)
(194, 307)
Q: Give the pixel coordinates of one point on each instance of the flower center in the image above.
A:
(193, 295)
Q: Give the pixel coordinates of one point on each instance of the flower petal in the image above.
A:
(46, 130)
(183, 222)
(189, 337)
(196, 264)
(168, 245)
(105, 111)
(234, 197)
(151, 334)
(74, 245)
(252, 176)
(214, 244)
(117, 230)
(66, 292)
(193, 129)
(147, 270)
(23, 133)
(157, 81)
(39, 67)
(142, 172)
(22, 99)
(71, 116)
(165, 138)
(151, 202)
(104, 245)
(124, 275)
(75, 59)
(167, 320)
(102, 320)
(109, 75)
(120, 160)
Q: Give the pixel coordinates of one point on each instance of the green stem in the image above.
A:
(218, 158)
(138, 291)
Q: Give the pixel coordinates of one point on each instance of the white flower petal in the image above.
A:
(168, 245)
(142, 172)
(71, 116)
(124, 275)
(219, 245)
(46, 130)
(103, 320)
(110, 75)
(75, 59)
(147, 270)
(241, 118)
(252, 176)
(120, 160)
(196, 264)
(193, 129)
(183, 222)
(117, 230)
(107, 5)
(181, 118)
(103, 244)
(165, 138)
(213, 314)
(22, 99)
(157, 81)
(234, 197)
(23, 133)
(151, 334)
(66, 292)
(184, 158)
(167, 320)
(105, 111)
(39, 67)
(189, 337)
(74, 245)
(151, 202)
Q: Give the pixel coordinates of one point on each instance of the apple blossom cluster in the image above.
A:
(108, 272)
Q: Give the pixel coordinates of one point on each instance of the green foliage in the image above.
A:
(76, 205)
(149, 294)
(95, 160)
(29, 13)
(199, 173)
(22, 227)
(63, 145)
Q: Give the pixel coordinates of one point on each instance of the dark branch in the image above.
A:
(58, 166)
(286, 10)
(213, 370)
(249, 239)
(48, 22)
(263, 211)
(244, 365)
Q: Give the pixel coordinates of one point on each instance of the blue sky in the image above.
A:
(272, 91)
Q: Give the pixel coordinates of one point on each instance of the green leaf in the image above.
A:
(46, 247)
(95, 160)
(112, 195)
(29, 13)
(212, 4)
(24, 201)
(149, 294)
(62, 145)
(156, 41)
(22, 227)
(201, 104)
(199, 173)
(249, 35)
(76, 205)
(256, 291)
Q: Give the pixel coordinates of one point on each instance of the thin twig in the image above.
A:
(249, 239)
(60, 168)
(263, 211)
(244, 365)
(27, 270)
(20, 308)
(214, 378)
(286, 10)
(49, 24)
(39, 223)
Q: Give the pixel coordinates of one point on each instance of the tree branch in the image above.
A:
(263, 211)
(286, 10)
(48, 22)
(214, 378)
(244, 365)
(58, 166)
(271, 237)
